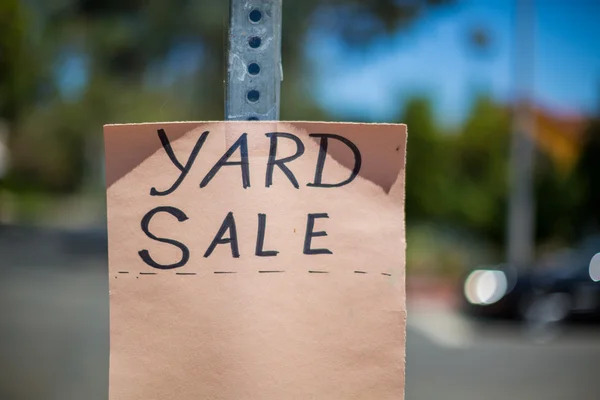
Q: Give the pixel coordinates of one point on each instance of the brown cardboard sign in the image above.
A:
(256, 261)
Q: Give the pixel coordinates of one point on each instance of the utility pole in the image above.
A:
(521, 212)
(254, 70)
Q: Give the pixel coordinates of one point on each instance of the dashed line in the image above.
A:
(260, 272)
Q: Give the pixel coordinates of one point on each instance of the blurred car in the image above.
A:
(551, 294)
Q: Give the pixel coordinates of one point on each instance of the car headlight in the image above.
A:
(595, 268)
(484, 287)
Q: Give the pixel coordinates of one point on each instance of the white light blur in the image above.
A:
(484, 287)
(595, 268)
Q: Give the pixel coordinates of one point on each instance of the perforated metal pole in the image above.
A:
(254, 71)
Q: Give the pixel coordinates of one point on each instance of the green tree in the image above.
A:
(588, 172)
(481, 159)
(18, 69)
(428, 178)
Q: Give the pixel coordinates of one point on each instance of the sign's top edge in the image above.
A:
(259, 122)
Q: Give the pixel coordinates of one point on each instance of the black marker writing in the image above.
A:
(242, 143)
(260, 238)
(145, 255)
(228, 225)
(281, 163)
(323, 155)
(310, 224)
(188, 165)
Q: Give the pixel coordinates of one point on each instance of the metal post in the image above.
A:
(520, 241)
(254, 71)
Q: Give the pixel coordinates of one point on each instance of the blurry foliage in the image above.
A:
(18, 70)
(588, 171)
(459, 177)
(69, 66)
(441, 250)
(481, 154)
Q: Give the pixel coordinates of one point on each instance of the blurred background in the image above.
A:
(502, 101)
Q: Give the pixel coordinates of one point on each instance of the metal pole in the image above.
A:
(521, 218)
(254, 71)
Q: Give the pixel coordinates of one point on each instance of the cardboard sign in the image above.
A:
(256, 261)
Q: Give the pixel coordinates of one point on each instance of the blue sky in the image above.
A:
(432, 58)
